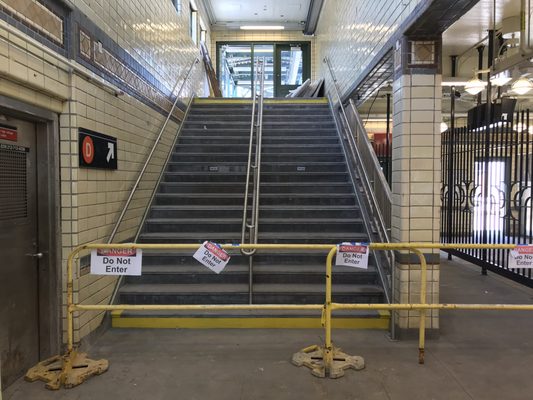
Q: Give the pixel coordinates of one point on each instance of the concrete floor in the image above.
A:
(479, 355)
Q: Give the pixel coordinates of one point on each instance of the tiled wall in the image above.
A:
(145, 48)
(351, 33)
(262, 36)
(416, 184)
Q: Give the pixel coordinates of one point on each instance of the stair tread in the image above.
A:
(261, 220)
(193, 288)
(263, 195)
(266, 207)
(250, 313)
(274, 184)
(258, 269)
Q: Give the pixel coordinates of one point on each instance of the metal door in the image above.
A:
(292, 67)
(19, 255)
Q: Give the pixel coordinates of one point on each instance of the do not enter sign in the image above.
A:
(97, 150)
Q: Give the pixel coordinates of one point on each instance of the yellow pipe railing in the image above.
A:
(326, 308)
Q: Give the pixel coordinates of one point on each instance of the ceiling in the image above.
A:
(231, 14)
(461, 39)
(472, 27)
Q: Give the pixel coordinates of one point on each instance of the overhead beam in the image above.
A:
(313, 15)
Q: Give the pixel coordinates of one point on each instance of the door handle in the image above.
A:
(36, 255)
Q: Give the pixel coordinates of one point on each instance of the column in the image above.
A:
(416, 172)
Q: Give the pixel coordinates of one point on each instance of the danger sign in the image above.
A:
(521, 257)
(212, 256)
(116, 262)
(97, 150)
(352, 255)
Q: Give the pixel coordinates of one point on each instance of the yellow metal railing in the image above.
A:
(73, 368)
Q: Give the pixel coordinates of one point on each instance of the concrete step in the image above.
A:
(295, 147)
(282, 166)
(268, 131)
(195, 273)
(195, 211)
(267, 141)
(264, 237)
(229, 293)
(295, 176)
(249, 319)
(280, 199)
(266, 187)
(269, 225)
(217, 156)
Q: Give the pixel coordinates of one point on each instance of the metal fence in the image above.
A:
(487, 178)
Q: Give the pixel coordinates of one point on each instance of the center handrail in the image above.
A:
(257, 128)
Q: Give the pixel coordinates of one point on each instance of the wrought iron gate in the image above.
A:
(486, 194)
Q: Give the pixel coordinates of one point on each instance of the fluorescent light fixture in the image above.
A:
(474, 86)
(262, 27)
(501, 79)
(522, 86)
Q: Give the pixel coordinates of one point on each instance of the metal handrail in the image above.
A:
(149, 158)
(154, 191)
(376, 210)
(257, 127)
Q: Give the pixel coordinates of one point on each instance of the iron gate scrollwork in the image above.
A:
(487, 175)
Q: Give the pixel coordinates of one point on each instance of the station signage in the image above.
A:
(116, 262)
(351, 254)
(212, 256)
(521, 257)
(8, 133)
(97, 150)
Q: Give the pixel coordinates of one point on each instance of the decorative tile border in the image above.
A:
(37, 17)
(94, 52)
(72, 34)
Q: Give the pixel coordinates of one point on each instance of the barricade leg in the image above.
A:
(327, 361)
(72, 368)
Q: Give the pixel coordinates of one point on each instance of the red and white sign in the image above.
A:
(88, 149)
(212, 256)
(521, 257)
(116, 262)
(352, 255)
(8, 133)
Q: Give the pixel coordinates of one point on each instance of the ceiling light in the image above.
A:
(262, 27)
(522, 86)
(475, 86)
(501, 79)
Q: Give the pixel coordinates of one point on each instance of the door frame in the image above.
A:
(306, 63)
(48, 220)
(305, 44)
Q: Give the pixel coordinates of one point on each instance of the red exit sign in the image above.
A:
(8, 133)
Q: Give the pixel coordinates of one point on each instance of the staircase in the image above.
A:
(306, 197)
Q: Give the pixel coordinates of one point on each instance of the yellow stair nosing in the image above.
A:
(246, 323)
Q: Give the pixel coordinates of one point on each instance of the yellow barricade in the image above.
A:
(325, 360)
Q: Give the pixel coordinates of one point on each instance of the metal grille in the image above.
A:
(13, 183)
(487, 191)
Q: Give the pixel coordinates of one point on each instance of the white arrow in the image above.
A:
(111, 152)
